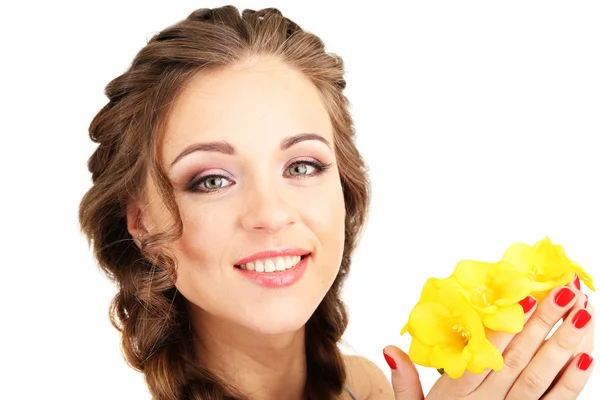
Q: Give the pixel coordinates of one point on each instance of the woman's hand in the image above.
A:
(534, 367)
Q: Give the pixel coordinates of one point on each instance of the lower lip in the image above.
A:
(277, 278)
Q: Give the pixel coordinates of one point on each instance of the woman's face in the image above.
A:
(249, 150)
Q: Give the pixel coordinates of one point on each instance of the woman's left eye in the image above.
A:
(305, 168)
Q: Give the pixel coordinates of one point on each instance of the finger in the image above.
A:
(587, 344)
(550, 359)
(405, 378)
(575, 284)
(558, 376)
(573, 380)
(526, 343)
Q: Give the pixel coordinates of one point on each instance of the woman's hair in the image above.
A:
(149, 312)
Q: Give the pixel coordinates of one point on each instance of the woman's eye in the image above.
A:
(214, 182)
(210, 183)
(300, 169)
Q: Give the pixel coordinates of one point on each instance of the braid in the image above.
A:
(157, 338)
(148, 311)
(325, 364)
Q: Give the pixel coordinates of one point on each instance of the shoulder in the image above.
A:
(366, 379)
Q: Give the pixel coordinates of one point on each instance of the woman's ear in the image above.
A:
(135, 225)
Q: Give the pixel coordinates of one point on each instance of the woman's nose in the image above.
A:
(266, 210)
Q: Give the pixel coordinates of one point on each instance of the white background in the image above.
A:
(479, 121)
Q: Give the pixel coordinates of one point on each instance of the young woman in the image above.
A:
(227, 199)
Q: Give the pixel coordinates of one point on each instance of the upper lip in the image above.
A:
(272, 254)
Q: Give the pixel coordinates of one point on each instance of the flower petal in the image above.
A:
(584, 276)
(472, 322)
(427, 322)
(551, 259)
(449, 358)
(509, 282)
(471, 274)
(539, 296)
(486, 356)
(542, 286)
(430, 290)
(508, 319)
(419, 353)
(404, 329)
(520, 255)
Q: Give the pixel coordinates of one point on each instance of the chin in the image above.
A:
(277, 319)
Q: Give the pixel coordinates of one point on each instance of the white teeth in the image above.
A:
(269, 266)
(259, 266)
(280, 266)
(294, 260)
(272, 264)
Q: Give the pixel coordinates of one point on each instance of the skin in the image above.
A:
(268, 198)
(537, 365)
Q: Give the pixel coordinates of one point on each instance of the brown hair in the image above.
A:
(147, 310)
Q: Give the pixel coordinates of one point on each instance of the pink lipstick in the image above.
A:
(277, 278)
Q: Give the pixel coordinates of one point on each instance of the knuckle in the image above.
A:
(567, 342)
(545, 320)
(570, 389)
(515, 359)
(586, 347)
(534, 381)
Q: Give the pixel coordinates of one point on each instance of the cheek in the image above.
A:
(207, 233)
(325, 214)
(200, 251)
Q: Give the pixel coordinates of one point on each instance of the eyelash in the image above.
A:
(194, 185)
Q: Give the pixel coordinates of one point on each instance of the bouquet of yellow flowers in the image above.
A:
(448, 324)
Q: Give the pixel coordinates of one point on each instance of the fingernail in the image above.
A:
(577, 282)
(586, 300)
(581, 318)
(527, 303)
(584, 361)
(390, 361)
(564, 297)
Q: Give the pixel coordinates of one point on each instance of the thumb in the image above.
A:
(405, 378)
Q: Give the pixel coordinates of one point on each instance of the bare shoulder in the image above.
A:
(366, 379)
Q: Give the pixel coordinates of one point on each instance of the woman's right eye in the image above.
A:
(209, 183)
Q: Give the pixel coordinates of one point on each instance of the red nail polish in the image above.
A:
(390, 361)
(584, 361)
(564, 297)
(581, 318)
(527, 303)
(586, 301)
(577, 282)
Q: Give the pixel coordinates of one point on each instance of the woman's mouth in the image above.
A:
(274, 272)
(272, 264)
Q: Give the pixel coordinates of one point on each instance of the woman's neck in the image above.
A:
(264, 367)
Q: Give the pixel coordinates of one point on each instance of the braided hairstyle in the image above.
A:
(148, 310)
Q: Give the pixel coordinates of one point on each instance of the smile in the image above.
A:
(272, 264)
(274, 269)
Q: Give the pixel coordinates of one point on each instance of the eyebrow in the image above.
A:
(227, 148)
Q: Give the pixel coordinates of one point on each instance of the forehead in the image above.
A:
(261, 100)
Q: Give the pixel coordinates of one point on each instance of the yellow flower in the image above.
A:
(494, 290)
(448, 323)
(547, 265)
(448, 333)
